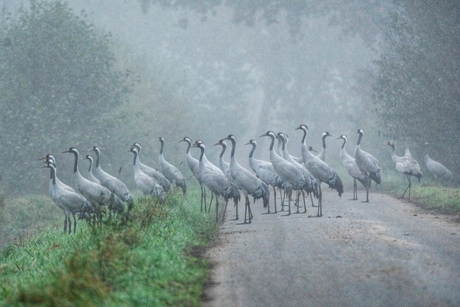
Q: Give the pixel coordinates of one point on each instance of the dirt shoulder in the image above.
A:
(384, 253)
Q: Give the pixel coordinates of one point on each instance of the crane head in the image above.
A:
(71, 150)
(302, 127)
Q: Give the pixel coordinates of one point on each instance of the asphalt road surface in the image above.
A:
(383, 253)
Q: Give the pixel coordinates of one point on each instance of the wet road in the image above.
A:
(383, 253)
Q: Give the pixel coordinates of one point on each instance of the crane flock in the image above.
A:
(91, 196)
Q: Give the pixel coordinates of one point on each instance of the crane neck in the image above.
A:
(90, 168)
(189, 144)
(161, 148)
(135, 158)
(224, 148)
(304, 137)
(97, 157)
(233, 147)
(251, 153)
(359, 139)
(202, 154)
(53, 174)
(344, 142)
(272, 143)
(75, 165)
(324, 141)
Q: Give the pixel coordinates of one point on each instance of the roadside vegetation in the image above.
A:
(440, 197)
(148, 257)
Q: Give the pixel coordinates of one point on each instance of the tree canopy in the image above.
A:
(57, 80)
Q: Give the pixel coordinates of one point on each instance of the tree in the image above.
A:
(417, 89)
(57, 81)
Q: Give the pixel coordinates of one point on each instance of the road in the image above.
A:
(384, 253)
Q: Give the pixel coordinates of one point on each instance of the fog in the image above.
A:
(208, 70)
(246, 80)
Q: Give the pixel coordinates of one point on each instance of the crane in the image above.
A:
(66, 199)
(225, 167)
(149, 171)
(367, 163)
(436, 168)
(148, 185)
(216, 182)
(405, 165)
(112, 183)
(264, 171)
(193, 165)
(319, 169)
(91, 176)
(322, 153)
(350, 165)
(94, 192)
(286, 170)
(171, 172)
(246, 181)
(311, 184)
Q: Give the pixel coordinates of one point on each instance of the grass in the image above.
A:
(428, 194)
(150, 257)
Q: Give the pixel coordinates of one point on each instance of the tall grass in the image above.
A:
(439, 196)
(148, 257)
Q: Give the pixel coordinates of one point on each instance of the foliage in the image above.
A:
(57, 80)
(143, 259)
(418, 84)
(434, 195)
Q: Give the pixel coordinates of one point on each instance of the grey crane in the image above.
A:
(94, 192)
(216, 182)
(68, 200)
(149, 171)
(246, 181)
(225, 167)
(405, 165)
(319, 169)
(171, 172)
(148, 185)
(286, 170)
(91, 176)
(437, 169)
(193, 165)
(322, 153)
(350, 165)
(265, 172)
(311, 184)
(112, 183)
(367, 163)
(49, 158)
(211, 167)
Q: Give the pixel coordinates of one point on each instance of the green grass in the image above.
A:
(429, 194)
(150, 257)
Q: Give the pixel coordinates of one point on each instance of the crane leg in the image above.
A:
(320, 203)
(236, 210)
(304, 202)
(408, 187)
(355, 190)
(311, 198)
(282, 198)
(210, 203)
(65, 224)
(217, 210)
(74, 223)
(367, 194)
(274, 197)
